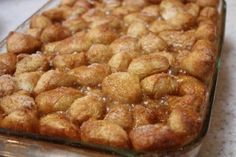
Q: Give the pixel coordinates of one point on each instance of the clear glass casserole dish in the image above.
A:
(14, 143)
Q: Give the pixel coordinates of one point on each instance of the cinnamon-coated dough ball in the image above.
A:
(68, 2)
(34, 32)
(153, 137)
(147, 65)
(126, 44)
(184, 121)
(22, 43)
(31, 63)
(75, 25)
(104, 133)
(91, 75)
(21, 120)
(53, 79)
(57, 124)
(53, 33)
(207, 30)
(40, 21)
(7, 63)
(59, 99)
(76, 43)
(179, 40)
(7, 85)
(99, 53)
(16, 102)
(27, 81)
(160, 25)
(137, 29)
(120, 62)
(151, 43)
(151, 10)
(69, 61)
(58, 13)
(159, 85)
(85, 108)
(143, 116)
(120, 114)
(189, 85)
(123, 87)
(102, 34)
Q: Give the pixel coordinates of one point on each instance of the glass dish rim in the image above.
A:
(129, 152)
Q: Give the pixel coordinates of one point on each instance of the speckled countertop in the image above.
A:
(221, 139)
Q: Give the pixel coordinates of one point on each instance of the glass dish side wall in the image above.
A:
(15, 143)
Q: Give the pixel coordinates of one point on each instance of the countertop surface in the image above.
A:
(221, 139)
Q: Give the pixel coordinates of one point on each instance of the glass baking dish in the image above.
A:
(14, 143)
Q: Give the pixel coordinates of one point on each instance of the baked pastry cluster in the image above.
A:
(128, 74)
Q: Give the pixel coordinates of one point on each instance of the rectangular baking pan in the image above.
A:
(14, 143)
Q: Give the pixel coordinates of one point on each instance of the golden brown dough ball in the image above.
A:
(123, 87)
(204, 3)
(120, 62)
(104, 133)
(27, 81)
(192, 9)
(120, 114)
(22, 43)
(57, 124)
(153, 137)
(135, 3)
(93, 14)
(17, 101)
(68, 2)
(75, 25)
(69, 61)
(120, 11)
(198, 63)
(85, 108)
(126, 44)
(31, 63)
(179, 40)
(58, 13)
(205, 46)
(34, 32)
(7, 63)
(151, 10)
(191, 102)
(143, 116)
(207, 30)
(76, 43)
(208, 13)
(160, 25)
(159, 85)
(91, 75)
(101, 34)
(170, 8)
(184, 121)
(53, 79)
(137, 17)
(59, 99)
(108, 20)
(7, 85)
(83, 4)
(147, 65)
(40, 21)
(21, 120)
(189, 85)
(137, 29)
(99, 53)
(54, 32)
(151, 43)
(171, 57)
